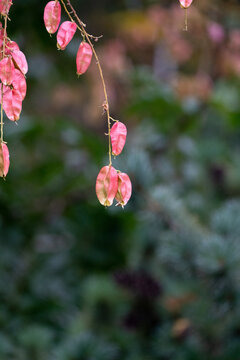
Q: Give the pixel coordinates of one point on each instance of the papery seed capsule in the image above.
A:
(10, 47)
(19, 83)
(6, 71)
(84, 57)
(65, 34)
(118, 135)
(52, 16)
(12, 103)
(185, 3)
(1, 35)
(4, 160)
(20, 61)
(107, 185)
(5, 6)
(124, 191)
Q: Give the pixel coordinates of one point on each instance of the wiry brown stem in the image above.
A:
(81, 27)
(3, 56)
(186, 20)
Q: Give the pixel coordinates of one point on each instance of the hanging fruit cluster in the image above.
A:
(66, 31)
(111, 183)
(13, 68)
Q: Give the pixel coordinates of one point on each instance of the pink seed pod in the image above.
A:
(5, 6)
(118, 135)
(84, 57)
(52, 16)
(4, 160)
(12, 104)
(6, 71)
(19, 83)
(107, 185)
(65, 34)
(1, 35)
(10, 47)
(20, 61)
(124, 191)
(185, 3)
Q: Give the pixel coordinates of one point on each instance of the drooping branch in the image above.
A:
(111, 183)
(82, 28)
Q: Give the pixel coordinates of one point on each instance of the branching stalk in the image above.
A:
(81, 27)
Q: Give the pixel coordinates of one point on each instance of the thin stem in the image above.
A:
(81, 27)
(3, 56)
(186, 20)
(111, 118)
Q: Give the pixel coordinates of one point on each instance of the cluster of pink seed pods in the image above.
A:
(111, 183)
(13, 68)
(66, 31)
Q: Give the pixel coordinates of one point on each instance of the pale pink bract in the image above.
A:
(124, 191)
(5, 6)
(107, 185)
(118, 135)
(6, 71)
(19, 83)
(4, 160)
(12, 103)
(185, 3)
(65, 34)
(84, 57)
(10, 47)
(20, 61)
(52, 16)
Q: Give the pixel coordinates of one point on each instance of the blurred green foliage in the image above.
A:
(159, 280)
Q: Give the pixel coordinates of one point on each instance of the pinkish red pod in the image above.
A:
(65, 34)
(10, 47)
(20, 61)
(1, 35)
(4, 160)
(185, 3)
(118, 135)
(12, 103)
(5, 6)
(19, 83)
(124, 191)
(84, 57)
(6, 71)
(52, 16)
(107, 185)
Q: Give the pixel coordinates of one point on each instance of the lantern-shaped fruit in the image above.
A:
(124, 191)
(84, 57)
(20, 61)
(6, 70)
(12, 103)
(5, 6)
(185, 3)
(107, 185)
(4, 160)
(52, 16)
(118, 135)
(65, 34)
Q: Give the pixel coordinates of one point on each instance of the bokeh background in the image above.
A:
(159, 280)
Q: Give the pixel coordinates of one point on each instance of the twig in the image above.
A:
(81, 27)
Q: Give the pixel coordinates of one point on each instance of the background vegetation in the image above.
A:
(159, 280)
